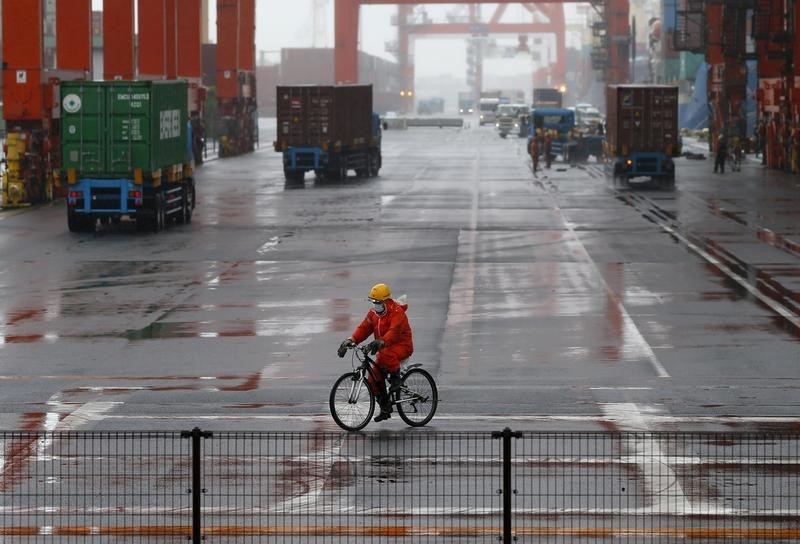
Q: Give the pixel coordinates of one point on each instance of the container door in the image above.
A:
(128, 129)
(320, 126)
(83, 109)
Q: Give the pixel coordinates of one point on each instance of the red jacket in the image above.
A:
(392, 327)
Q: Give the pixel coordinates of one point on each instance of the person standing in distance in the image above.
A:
(388, 323)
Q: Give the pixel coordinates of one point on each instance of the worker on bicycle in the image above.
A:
(388, 323)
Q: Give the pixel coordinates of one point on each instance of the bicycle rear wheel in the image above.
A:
(418, 398)
(351, 402)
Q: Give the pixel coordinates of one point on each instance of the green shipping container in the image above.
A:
(111, 128)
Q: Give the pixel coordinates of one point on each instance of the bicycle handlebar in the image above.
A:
(364, 349)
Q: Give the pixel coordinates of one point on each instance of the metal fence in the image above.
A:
(412, 486)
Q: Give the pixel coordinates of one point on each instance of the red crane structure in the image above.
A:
(613, 59)
(31, 91)
(778, 95)
(237, 122)
(724, 44)
(407, 31)
(118, 37)
(170, 47)
(719, 29)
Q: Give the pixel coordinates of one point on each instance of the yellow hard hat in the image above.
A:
(380, 291)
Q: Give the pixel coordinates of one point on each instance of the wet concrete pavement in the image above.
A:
(552, 302)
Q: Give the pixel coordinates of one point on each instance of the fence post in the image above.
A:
(506, 434)
(196, 490)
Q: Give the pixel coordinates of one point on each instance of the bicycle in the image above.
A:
(352, 401)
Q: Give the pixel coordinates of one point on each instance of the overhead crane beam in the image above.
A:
(346, 34)
(555, 25)
(466, 28)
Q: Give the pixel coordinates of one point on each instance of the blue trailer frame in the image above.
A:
(657, 166)
(365, 160)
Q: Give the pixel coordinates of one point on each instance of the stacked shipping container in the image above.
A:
(642, 118)
(324, 116)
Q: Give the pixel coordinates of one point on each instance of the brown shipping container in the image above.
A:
(642, 118)
(324, 116)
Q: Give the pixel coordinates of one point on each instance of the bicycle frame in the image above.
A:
(366, 368)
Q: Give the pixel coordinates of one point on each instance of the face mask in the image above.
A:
(379, 307)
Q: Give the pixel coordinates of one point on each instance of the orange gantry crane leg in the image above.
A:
(617, 13)
(236, 93)
(74, 36)
(31, 93)
(118, 30)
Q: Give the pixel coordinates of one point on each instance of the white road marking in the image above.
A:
(631, 332)
(659, 477)
(314, 480)
(533, 418)
(777, 308)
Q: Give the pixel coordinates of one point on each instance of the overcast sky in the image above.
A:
(291, 25)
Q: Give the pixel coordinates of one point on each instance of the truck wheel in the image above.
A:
(188, 204)
(74, 221)
(375, 164)
(181, 217)
(293, 176)
(143, 220)
(343, 170)
(158, 213)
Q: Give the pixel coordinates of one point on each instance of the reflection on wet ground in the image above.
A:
(521, 290)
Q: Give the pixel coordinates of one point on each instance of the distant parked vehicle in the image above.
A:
(508, 119)
(488, 110)
(466, 103)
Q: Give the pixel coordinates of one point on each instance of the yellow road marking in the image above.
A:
(762, 533)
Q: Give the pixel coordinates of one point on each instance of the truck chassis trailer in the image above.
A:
(127, 153)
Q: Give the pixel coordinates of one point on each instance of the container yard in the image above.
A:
(437, 336)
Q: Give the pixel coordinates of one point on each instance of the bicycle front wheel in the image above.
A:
(351, 402)
(417, 398)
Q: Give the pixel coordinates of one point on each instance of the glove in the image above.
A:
(343, 347)
(374, 346)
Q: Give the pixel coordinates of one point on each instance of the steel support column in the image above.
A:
(74, 36)
(405, 58)
(617, 14)
(346, 41)
(118, 39)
